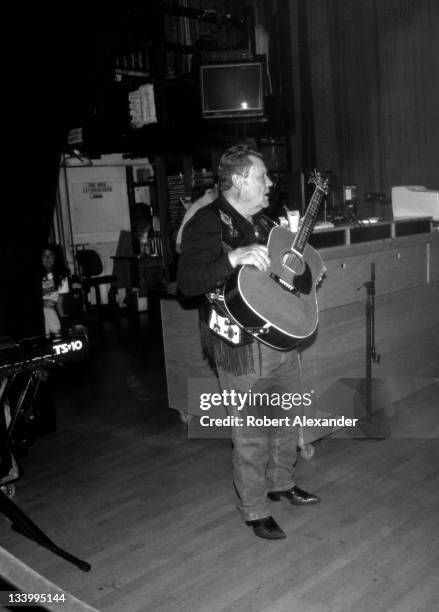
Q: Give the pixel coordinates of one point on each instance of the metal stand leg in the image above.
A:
(23, 524)
(369, 426)
(20, 521)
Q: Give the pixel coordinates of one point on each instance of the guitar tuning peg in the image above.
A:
(313, 176)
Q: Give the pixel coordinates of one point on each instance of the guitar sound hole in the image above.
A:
(294, 263)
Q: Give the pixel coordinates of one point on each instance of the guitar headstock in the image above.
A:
(319, 181)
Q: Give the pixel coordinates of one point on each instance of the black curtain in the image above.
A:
(373, 68)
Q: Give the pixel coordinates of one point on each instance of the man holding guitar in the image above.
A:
(224, 237)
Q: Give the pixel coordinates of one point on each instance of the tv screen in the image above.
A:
(232, 90)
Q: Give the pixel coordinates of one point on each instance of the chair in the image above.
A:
(91, 268)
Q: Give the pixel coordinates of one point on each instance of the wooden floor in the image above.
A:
(121, 486)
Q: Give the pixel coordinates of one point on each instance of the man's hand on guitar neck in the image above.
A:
(253, 255)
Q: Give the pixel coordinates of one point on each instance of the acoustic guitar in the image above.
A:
(279, 306)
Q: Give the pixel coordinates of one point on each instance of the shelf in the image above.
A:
(144, 183)
(129, 72)
(209, 16)
(179, 48)
(344, 235)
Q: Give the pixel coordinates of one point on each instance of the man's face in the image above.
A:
(255, 187)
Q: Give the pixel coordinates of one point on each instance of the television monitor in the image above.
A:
(232, 90)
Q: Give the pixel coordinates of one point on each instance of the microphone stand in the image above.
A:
(370, 427)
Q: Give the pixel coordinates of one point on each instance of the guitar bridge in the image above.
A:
(284, 284)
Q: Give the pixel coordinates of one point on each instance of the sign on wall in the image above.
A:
(96, 190)
(99, 203)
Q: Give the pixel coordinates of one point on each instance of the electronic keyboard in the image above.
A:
(41, 352)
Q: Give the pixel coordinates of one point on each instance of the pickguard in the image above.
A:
(303, 282)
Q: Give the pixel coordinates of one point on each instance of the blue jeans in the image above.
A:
(263, 457)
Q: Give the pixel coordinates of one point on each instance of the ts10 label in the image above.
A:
(68, 347)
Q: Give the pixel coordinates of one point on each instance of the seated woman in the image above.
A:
(55, 283)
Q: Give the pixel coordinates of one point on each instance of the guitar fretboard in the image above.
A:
(308, 221)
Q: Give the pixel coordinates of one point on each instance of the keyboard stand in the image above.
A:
(20, 521)
(24, 525)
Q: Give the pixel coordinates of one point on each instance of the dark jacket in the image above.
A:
(204, 266)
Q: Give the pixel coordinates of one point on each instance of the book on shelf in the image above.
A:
(142, 106)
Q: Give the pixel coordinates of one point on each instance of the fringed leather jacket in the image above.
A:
(204, 266)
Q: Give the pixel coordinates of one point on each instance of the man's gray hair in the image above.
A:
(235, 161)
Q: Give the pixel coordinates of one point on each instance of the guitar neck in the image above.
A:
(309, 220)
